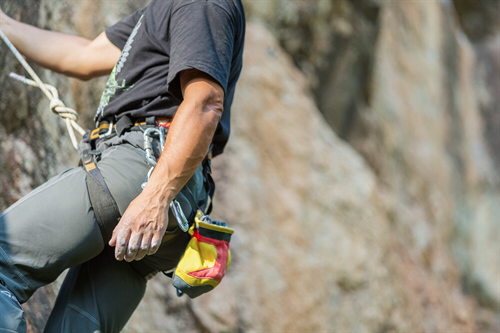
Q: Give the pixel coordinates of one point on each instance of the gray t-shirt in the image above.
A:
(163, 39)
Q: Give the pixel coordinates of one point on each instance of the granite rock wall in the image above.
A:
(361, 176)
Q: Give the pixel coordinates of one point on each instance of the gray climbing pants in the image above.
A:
(54, 228)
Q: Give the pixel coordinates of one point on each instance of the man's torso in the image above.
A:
(163, 39)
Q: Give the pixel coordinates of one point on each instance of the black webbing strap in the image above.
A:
(123, 124)
(105, 208)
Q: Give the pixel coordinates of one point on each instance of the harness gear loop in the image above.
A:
(69, 115)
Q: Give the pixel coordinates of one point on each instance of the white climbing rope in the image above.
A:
(69, 115)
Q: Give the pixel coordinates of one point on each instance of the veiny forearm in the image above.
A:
(187, 143)
(62, 53)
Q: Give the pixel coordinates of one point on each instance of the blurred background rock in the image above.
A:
(362, 175)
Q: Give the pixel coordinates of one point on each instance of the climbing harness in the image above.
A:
(69, 115)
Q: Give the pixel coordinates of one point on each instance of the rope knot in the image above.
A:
(58, 107)
(56, 103)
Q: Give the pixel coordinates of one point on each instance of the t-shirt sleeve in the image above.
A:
(201, 37)
(119, 32)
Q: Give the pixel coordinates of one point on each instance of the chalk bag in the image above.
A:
(206, 258)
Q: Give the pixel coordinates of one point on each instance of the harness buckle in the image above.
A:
(109, 132)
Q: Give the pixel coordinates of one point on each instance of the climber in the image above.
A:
(173, 64)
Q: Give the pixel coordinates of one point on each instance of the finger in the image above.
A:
(133, 246)
(112, 241)
(155, 244)
(145, 245)
(121, 243)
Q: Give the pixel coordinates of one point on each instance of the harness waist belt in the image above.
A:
(106, 128)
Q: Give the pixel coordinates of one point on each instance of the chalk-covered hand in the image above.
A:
(141, 229)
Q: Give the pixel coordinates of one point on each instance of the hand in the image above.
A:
(141, 229)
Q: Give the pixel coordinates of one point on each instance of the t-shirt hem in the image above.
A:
(199, 66)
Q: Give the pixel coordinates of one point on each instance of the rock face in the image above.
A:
(394, 227)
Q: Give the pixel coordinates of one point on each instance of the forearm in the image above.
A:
(187, 143)
(62, 53)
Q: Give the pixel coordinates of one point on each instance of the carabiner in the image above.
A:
(179, 215)
(148, 143)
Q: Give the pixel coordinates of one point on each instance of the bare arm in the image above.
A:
(144, 222)
(67, 54)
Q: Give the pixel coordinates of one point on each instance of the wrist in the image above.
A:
(5, 22)
(159, 194)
